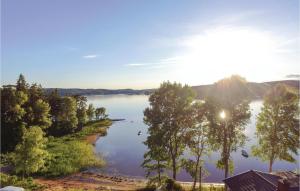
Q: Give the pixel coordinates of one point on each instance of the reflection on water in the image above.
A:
(124, 149)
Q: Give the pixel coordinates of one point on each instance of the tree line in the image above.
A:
(178, 122)
(28, 116)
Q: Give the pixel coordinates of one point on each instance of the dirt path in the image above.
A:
(91, 181)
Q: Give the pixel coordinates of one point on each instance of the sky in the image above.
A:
(141, 43)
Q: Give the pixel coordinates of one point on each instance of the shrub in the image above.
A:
(172, 185)
(27, 183)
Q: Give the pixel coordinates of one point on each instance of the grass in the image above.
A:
(71, 153)
(93, 127)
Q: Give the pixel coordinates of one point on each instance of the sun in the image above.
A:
(224, 51)
(222, 114)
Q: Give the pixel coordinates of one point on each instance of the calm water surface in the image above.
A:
(124, 149)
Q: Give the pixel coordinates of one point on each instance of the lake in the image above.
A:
(124, 149)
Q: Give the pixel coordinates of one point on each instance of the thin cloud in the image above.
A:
(90, 56)
(137, 64)
(156, 64)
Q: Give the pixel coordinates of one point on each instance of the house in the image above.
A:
(253, 180)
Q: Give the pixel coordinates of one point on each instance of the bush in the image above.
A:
(172, 185)
(27, 183)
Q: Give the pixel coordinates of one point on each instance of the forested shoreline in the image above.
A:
(44, 134)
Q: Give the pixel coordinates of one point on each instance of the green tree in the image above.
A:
(169, 114)
(100, 113)
(90, 112)
(37, 109)
(81, 110)
(198, 143)
(12, 114)
(22, 84)
(39, 114)
(155, 159)
(228, 115)
(277, 127)
(30, 154)
(65, 120)
(54, 100)
(35, 93)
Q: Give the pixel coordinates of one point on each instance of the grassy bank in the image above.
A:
(66, 155)
(71, 153)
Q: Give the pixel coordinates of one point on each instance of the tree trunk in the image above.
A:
(195, 178)
(174, 168)
(270, 165)
(200, 179)
(226, 171)
(225, 153)
(226, 168)
(158, 171)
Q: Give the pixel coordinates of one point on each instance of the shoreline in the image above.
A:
(101, 181)
(92, 139)
(119, 178)
(89, 180)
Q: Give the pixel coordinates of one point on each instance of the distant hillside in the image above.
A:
(77, 91)
(257, 90)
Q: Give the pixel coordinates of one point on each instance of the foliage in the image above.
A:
(12, 113)
(22, 84)
(81, 110)
(38, 114)
(27, 183)
(167, 118)
(277, 127)
(90, 112)
(66, 121)
(69, 154)
(100, 113)
(93, 127)
(156, 158)
(54, 99)
(37, 110)
(172, 185)
(227, 135)
(30, 154)
(22, 106)
(196, 138)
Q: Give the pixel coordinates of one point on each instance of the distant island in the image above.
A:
(256, 90)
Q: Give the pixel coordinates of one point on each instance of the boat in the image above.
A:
(139, 133)
(245, 154)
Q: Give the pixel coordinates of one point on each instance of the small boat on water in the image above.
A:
(139, 133)
(245, 154)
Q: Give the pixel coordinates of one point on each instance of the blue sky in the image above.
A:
(138, 43)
